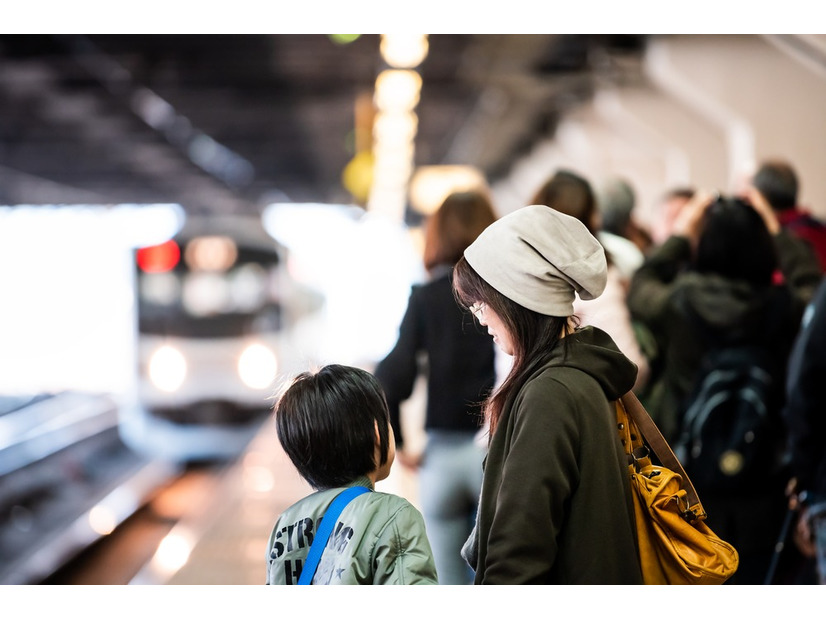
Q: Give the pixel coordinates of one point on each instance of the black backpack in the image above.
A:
(732, 437)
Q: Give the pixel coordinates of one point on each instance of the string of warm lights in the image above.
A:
(395, 125)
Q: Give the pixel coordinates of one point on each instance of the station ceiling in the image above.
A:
(229, 123)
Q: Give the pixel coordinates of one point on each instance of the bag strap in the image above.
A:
(328, 522)
(660, 447)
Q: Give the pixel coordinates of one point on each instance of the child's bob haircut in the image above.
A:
(326, 422)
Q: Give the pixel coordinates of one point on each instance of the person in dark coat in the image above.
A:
(555, 506)
(437, 340)
(805, 416)
(730, 291)
(728, 276)
(777, 182)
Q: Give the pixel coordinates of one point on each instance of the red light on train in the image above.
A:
(159, 258)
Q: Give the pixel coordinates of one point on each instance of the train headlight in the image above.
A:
(257, 366)
(167, 368)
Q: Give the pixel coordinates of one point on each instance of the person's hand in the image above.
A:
(687, 222)
(792, 494)
(802, 533)
(803, 538)
(762, 206)
(408, 459)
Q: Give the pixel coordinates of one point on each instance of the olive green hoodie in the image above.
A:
(555, 506)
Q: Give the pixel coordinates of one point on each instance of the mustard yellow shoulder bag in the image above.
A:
(675, 544)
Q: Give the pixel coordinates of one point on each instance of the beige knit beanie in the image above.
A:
(539, 258)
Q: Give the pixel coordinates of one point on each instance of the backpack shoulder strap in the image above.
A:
(328, 522)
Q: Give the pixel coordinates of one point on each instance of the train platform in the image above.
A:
(223, 540)
(212, 556)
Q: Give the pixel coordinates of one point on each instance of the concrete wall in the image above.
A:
(708, 109)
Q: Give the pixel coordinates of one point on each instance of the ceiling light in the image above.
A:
(404, 51)
(397, 90)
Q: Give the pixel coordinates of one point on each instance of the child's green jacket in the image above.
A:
(379, 539)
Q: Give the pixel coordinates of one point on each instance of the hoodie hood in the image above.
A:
(592, 351)
(727, 307)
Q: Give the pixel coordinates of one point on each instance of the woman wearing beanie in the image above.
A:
(555, 505)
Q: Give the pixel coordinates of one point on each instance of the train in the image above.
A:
(209, 316)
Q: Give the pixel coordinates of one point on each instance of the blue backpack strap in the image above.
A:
(328, 522)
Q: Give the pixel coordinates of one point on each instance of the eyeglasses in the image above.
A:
(477, 309)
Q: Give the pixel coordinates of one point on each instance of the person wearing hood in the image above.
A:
(727, 277)
(555, 505)
(728, 272)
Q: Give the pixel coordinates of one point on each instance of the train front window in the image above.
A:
(217, 290)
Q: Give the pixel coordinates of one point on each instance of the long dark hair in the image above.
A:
(534, 335)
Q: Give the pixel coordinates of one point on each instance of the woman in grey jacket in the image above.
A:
(555, 506)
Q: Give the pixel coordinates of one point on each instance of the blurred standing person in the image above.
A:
(778, 184)
(805, 416)
(712, 285)
(616, 201)
(555, 506)
(800, 266)
(571, 194)
(457, 359)
(670, 206)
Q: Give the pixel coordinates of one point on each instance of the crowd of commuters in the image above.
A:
(589, 304)
(711, 286)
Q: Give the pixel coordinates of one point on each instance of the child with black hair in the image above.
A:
(335, 427)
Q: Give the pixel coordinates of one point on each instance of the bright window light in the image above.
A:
(69, 320)
(361, 263)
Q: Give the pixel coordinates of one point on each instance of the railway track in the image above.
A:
(66, 482)
(120, 556)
